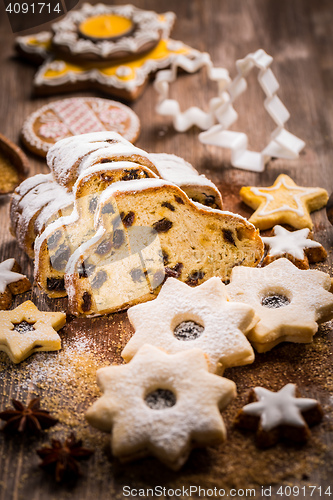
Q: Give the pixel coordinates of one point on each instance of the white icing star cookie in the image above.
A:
(283, 203)
(294, 245)
(26, 330)
(160, 404)
(183, 318)
(7, 276)
(290, 302)
(279, 414)
(12, 282)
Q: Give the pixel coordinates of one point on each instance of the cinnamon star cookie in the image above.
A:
(277, 415)
(161, 404)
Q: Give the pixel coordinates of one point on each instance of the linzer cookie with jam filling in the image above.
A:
(283, 203)
(290, 302)
(279, 415)
(77, 115)
(149, 229)
(183, 318)
(12, 282)
(293, 245)
(162, 411)
(25, 330)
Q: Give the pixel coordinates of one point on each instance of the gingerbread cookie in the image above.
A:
(161, 404)
(183, 318)
(279, 415)
(283, 203)
(11, 282)
(75, 116)
(290, 302)
(108, 32)
(293, 245)
(26, 330)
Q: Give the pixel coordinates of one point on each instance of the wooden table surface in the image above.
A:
(299, 36)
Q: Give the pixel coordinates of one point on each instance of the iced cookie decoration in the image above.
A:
(103, 47)
(12, 282)
(107, 32)
(183, 318)
(26, 330)
(290, 302)
(283, 203)
(279, 415)
(293, 245)
(161, 405)
(14, 165)
(142, 229)
(74, 116)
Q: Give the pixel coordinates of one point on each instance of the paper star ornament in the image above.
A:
(283, 203)
(25, 330)
(183, 318)
(161, 404)
(283, 144)
(290, 302)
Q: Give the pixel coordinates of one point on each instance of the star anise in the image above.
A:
(61, 459)
(30, 419)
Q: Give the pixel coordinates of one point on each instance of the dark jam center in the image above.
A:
(24, 327)
(160, 399)
(188, 330)
(275, 301)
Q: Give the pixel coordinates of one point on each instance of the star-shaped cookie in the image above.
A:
(278, 415)
(183, 317)
(290, 302)
(26, 330)
(283, 203)
(295, 246)
(12, 282)
(160, 404)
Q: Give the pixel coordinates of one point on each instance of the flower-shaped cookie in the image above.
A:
(283, 203)
(183, 317)
(290, 302)
(26, 330)
(295, 246)
(160, 404)
(278, 415)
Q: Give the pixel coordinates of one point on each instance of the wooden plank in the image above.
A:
(299, 36)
